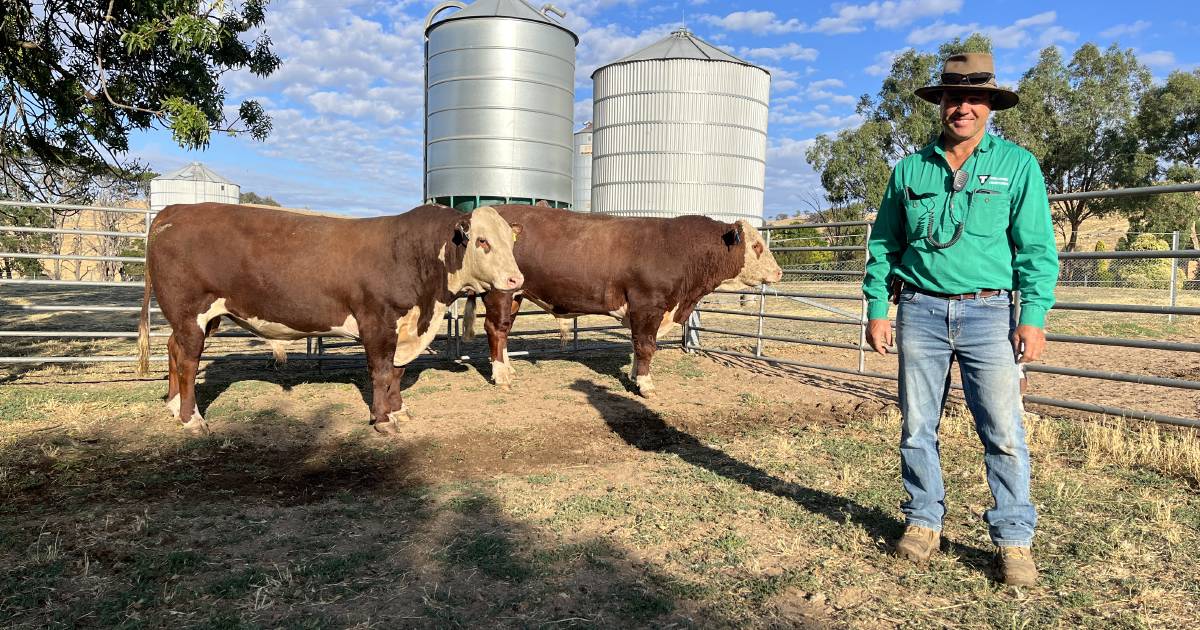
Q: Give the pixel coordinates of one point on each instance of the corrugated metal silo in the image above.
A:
(680, 128)
(581, 200)
(499, 102)
(193, 183)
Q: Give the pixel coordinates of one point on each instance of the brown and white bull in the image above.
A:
(284, 276)
(647, 273)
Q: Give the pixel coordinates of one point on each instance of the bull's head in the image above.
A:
(759, 266)
(488, 261)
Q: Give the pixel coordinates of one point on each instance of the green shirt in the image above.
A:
(1007, 241)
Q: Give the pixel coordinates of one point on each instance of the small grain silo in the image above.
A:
(581, 199)
(680, 128)
(499, 105)
(193, 183)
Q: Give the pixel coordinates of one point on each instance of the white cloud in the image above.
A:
(851, 18)
(1015, 35)
(1121, 30)
(1158, 58)
(790, 180)
(817, 120)
(758, 22)
(599, 45)
(791, 50)
(883, 62)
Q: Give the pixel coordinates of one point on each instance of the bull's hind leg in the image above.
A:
(644, 327)
(185, 352)
(172, 379)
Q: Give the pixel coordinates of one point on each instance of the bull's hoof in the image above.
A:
(503, 374)
(196, 426)
(389, 428)
(400, 415)
(645, 387)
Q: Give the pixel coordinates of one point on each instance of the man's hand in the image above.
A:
(1028, 343)
(879, 335)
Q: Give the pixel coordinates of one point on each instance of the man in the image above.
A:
(963, 223)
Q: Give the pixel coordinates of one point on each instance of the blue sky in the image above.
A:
(347, 104)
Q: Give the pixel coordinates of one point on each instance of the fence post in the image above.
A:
(1174, 272)
(454, 330)
(762, 307)
(575, 334)
(862, 317)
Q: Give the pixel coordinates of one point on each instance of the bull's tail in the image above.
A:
(469, 319)
(143, 367)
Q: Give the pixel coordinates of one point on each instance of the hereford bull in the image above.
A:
(285, 276)
(647, 273)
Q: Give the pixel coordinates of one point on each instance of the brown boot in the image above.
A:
(1015, 566)
(918, 543)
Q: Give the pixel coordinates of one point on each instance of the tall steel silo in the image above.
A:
(581, 199)
(193, 183)
(499, 102)
(680, 128)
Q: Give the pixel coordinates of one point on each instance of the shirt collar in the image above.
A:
(985, 145)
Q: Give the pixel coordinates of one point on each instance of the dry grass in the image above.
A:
(1115, 441)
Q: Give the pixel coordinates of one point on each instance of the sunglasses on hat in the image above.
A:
(974, 78)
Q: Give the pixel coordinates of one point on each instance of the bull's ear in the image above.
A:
(516, 228)
(732, 237)
(543, 203)
(462, 232)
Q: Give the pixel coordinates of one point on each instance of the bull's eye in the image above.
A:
(484, 244)
(758, 249)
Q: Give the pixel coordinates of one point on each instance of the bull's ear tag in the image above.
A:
(462, 232)
(732, 237)
(516, 230)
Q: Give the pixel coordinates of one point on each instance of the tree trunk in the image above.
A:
(1074, 240)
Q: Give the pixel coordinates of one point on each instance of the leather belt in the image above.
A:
(982, 293)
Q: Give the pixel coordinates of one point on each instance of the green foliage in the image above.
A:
(130, 270)
(1104, 272)
(1168, 212)
(23, 243)
(251, 197)
(1079, 121)
(1145, 273)
(853, 166)
(96, 71)
(1170, 118)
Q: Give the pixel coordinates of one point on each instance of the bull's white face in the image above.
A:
(488, 262)
(759, 266)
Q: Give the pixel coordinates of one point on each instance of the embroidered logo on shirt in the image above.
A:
(996, 181)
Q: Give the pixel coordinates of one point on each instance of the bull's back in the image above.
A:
(275, 259)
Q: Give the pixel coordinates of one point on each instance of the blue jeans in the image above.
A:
(977, 334)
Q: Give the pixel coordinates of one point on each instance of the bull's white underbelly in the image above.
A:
(273, 330)
(621, 315)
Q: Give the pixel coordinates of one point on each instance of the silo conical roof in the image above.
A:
(194, 172)
(516, 9)
(680, 44)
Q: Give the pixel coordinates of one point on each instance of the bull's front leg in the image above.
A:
(387, 406)
(644, 326)
(502, 308)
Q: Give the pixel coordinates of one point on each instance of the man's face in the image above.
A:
(965, 113)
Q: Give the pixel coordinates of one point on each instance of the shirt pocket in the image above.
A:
(917, 214)
(988, 213)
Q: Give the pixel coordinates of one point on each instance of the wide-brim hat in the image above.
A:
(970, 72)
